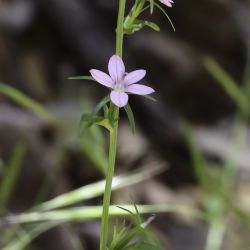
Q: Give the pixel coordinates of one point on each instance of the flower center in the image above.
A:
(119, 87)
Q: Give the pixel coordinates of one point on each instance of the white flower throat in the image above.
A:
(119, 87)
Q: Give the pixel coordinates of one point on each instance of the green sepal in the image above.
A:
(89, 78)
(130, 116)
(139, 24)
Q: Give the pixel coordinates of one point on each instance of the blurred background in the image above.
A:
(194, 142)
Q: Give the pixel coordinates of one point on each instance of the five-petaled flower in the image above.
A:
(120, 82)
(167, 2)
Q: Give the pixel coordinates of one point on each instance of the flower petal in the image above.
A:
(120, 99)
(116, 68)
(102, 78)
(139, 89)
(134, 76)
(167, 2)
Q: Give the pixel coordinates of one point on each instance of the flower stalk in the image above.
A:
(112, 137)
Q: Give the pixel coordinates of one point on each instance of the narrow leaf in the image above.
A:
(89, 78)
(101, 104)
(135, 232)
(139, 24)
(131, 118)
(138, 217)
(145, 8)
(151, 6)
(165, 13)
(152, 25)
(87, 120)
(106, 111)
(123, 242)
(125, 209)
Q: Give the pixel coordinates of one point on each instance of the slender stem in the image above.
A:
(107, 192)
(112, 136)
(119, 28)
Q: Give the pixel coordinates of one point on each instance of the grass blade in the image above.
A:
(198, 162)
(95, 189)
(25, 101)
(95, 212)
(12, 173)
(228, 84)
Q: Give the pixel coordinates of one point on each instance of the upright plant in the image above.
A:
(121, 84)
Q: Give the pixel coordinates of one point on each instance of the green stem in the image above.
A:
(119, 28)
(112, 136)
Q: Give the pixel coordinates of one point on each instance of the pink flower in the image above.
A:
(167, 2)
(120, 82)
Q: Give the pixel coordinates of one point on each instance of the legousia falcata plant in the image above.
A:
(121, 83)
